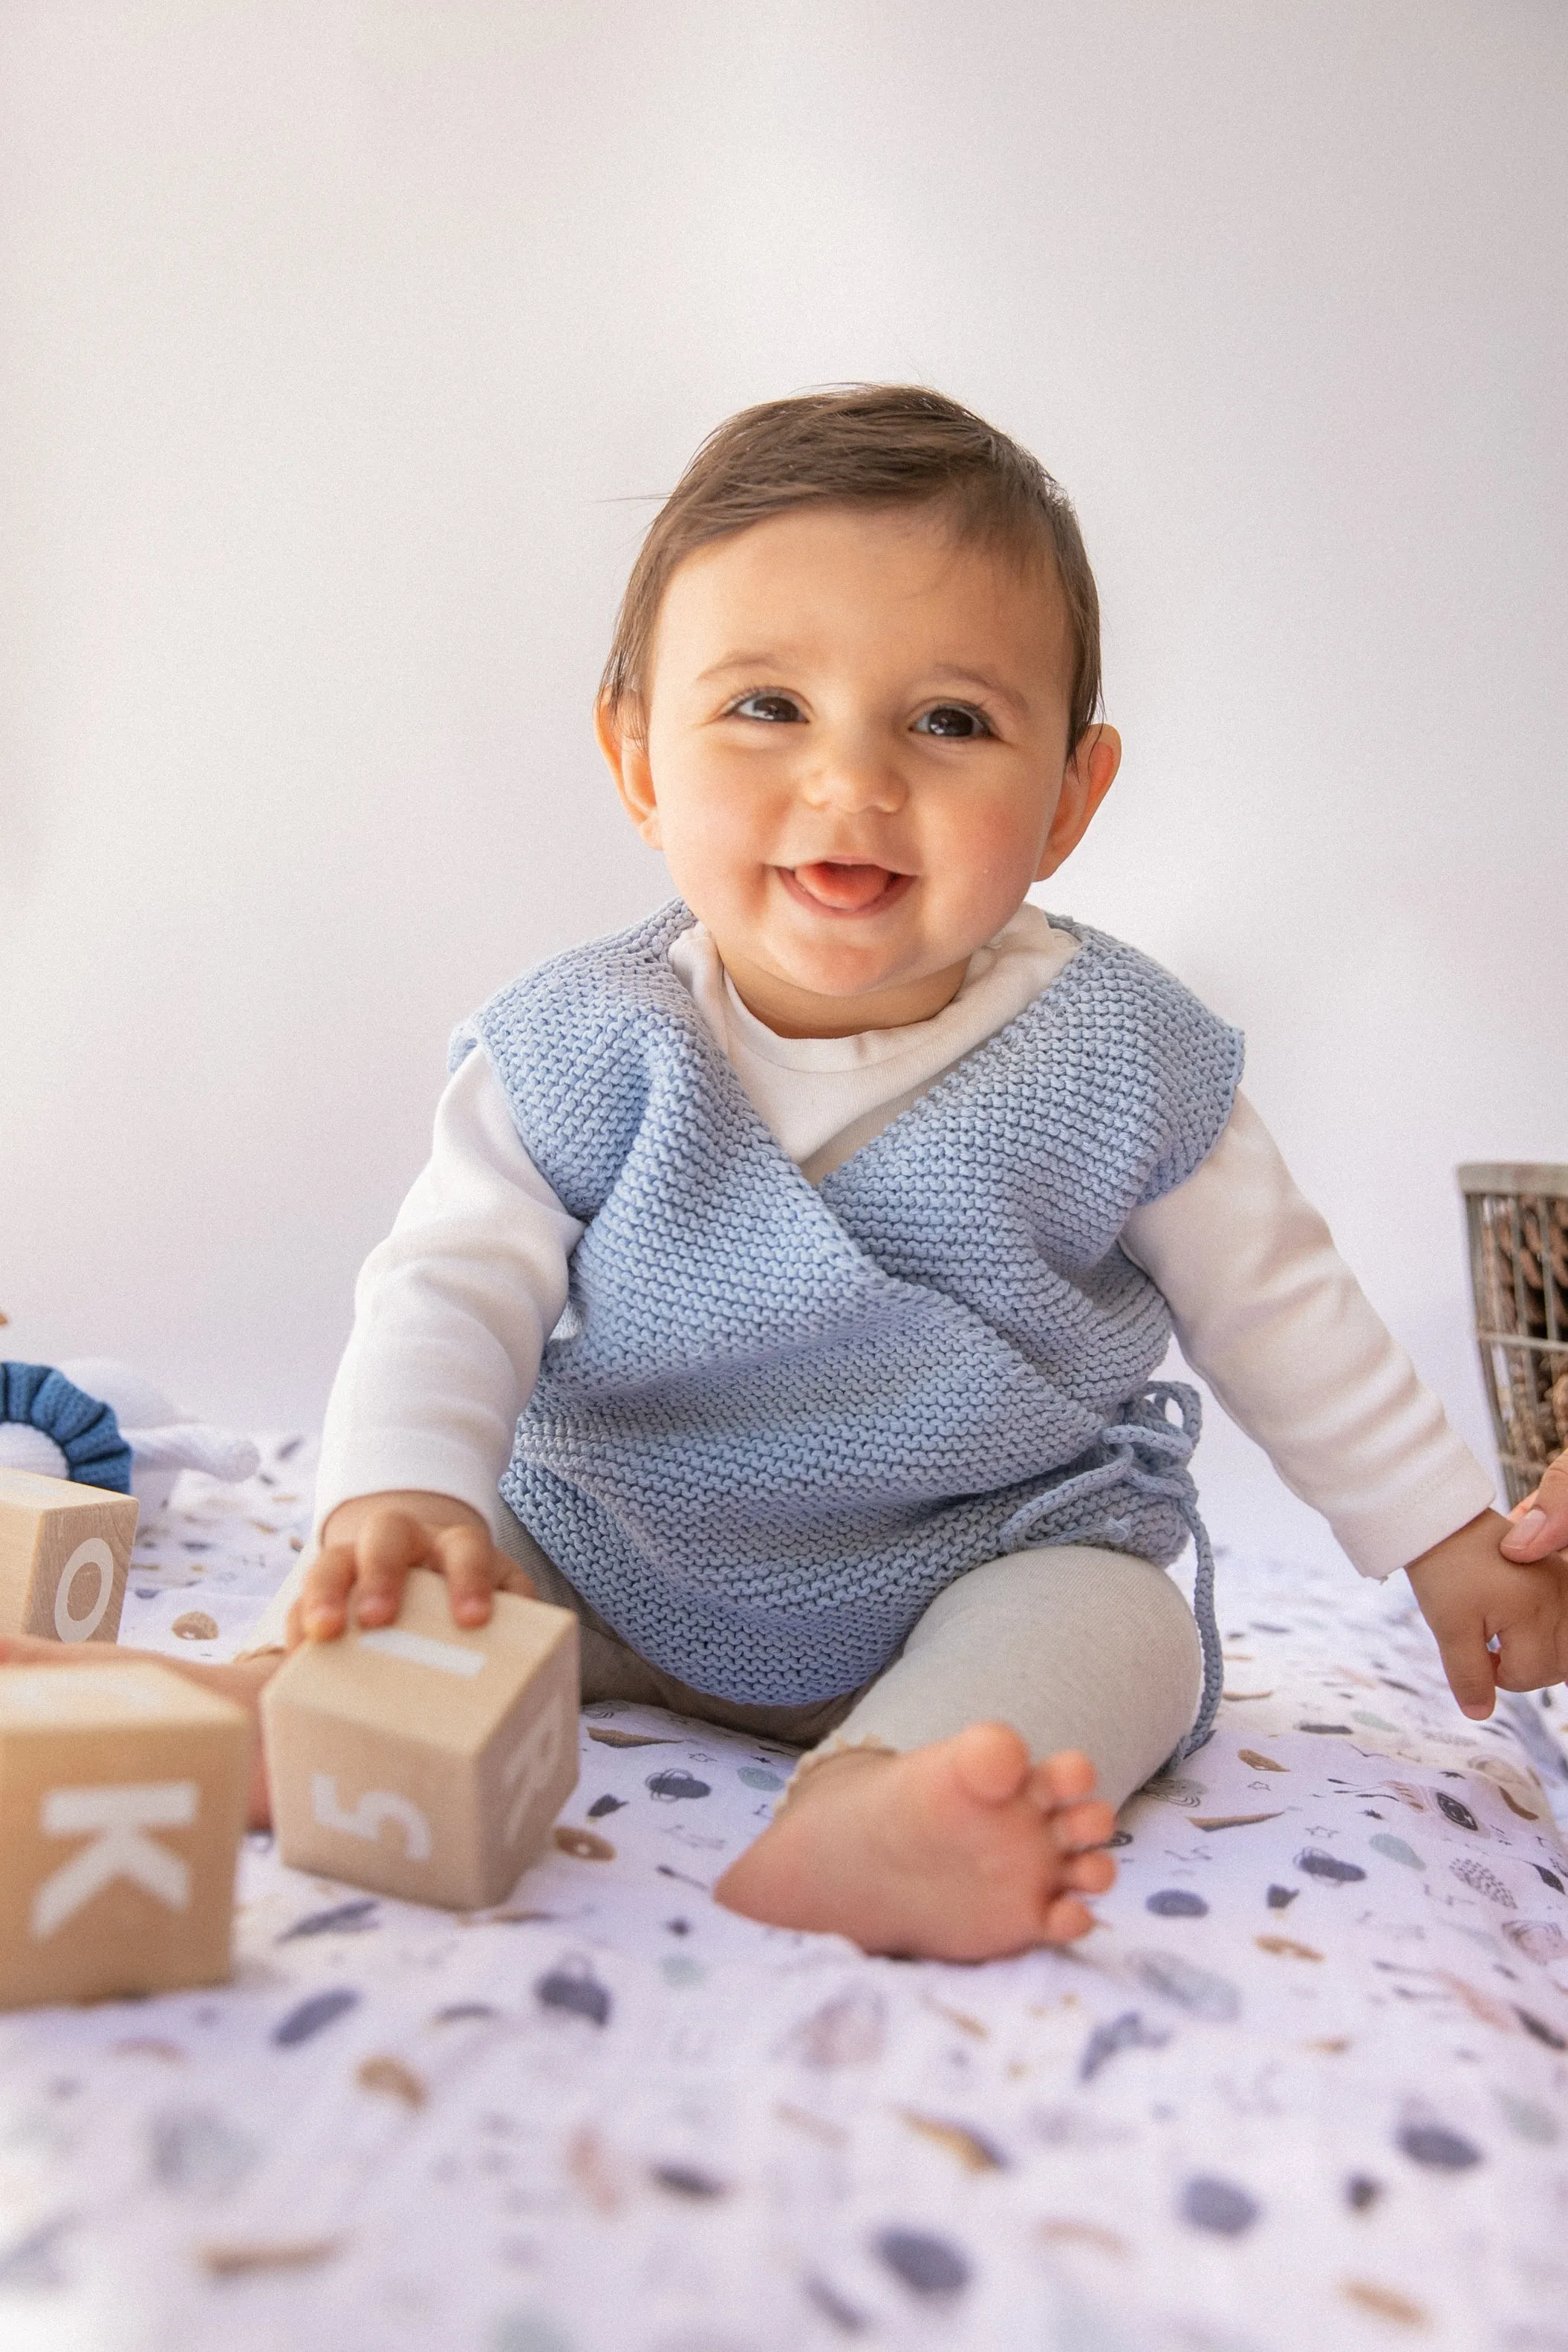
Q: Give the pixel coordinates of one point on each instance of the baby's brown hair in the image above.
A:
(874, 444)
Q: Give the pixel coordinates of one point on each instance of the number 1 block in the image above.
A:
(122, 1800)
(65, 1552)
(421, 1758)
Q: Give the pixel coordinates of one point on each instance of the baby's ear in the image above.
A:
(1090, 773)
(622, 738)
(1096, 758)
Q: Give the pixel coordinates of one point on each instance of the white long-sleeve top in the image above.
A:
(453, 1309)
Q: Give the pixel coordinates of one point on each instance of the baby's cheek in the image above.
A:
(986, 860)
(721, 881)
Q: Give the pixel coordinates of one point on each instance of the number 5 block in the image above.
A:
(122, 1798)
(423, 1759)
(65, 1550)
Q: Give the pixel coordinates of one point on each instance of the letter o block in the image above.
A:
(122, 1800)
(65, 1552)
(421, 1758)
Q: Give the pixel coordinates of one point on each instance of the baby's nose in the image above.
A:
(853, 783)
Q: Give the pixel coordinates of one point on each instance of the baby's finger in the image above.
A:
(1528, 1658)
(517, 1581)
(323, 1604)
(1472, 1672)
(465, 1555)
(388, 1545)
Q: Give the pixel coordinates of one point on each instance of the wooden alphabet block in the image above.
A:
(122, 1800)
(64, 1553)
(421, 1758)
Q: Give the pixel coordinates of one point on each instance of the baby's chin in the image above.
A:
(833, 959)
(839, 988)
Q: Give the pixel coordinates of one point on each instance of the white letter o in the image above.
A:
(93, 1553)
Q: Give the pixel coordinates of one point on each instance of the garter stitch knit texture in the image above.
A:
(82, 1426)
(776, 1418)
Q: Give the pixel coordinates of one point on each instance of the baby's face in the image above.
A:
(856, 759)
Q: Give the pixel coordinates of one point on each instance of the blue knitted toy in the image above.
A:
(102, 1423)
(83, 1428)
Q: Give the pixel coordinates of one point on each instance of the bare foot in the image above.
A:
(961, 1851)
(242, 1682)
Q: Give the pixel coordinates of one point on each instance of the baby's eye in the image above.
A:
(774, 710)
(955, 721)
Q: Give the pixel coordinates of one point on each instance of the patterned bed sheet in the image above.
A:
(1304, 2085)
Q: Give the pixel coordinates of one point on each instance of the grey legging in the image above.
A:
(1074, 1646)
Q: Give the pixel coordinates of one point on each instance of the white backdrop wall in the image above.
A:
(345, 348)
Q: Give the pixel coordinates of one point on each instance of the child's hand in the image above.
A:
(1541, 1521)
(369, 1545)
(1470, 1592)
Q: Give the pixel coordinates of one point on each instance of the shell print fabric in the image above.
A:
(1305, 2084)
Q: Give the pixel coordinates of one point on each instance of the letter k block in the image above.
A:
(122, 1795)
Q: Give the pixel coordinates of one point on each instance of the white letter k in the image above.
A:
(121, 1816)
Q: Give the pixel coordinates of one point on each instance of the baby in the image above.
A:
(786, 1288)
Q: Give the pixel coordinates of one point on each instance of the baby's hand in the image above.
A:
(369, 1545)
(1470, 1592)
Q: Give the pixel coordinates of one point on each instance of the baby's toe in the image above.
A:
(1065, 1779)
(1066, 1918)
(1091, 1874)
(992, 1761)
(1076, 1826)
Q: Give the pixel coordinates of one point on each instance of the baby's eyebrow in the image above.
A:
(987, 685)
(771, 659)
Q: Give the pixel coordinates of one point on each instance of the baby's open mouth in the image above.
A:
(847, 889)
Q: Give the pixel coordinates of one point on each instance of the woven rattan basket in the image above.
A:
(1519, 1271)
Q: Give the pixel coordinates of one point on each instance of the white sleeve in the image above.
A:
(451, 1314)
(1271, 1316)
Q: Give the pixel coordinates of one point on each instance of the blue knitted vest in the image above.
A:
(776, 1418)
